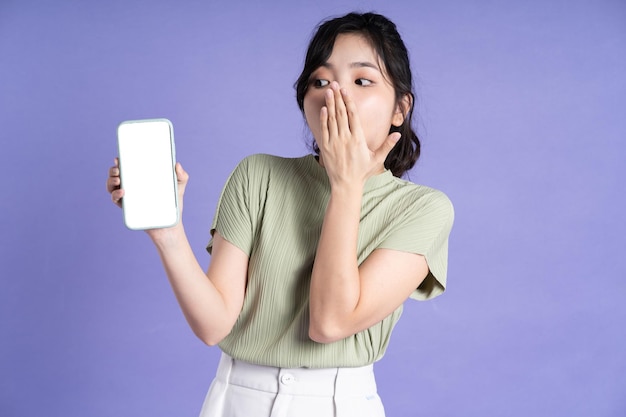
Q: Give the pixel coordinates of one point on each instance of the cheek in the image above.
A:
(376, 114)
(312, 107)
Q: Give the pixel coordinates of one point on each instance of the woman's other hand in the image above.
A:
(113, 185)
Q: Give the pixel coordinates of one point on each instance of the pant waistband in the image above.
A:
(336, 382)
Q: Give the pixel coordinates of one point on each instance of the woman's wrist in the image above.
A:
(168, 237)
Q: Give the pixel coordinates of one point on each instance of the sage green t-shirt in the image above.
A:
(272, 208)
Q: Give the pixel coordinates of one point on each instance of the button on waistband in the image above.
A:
(287, 379)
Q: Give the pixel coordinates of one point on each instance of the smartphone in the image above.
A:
(147, 171)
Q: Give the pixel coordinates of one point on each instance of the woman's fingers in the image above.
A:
(343, 127)
(352, 119)
(332, 114)
(114, 172)
(181, 176)
(116, 197)
(114, 183)
(381, 153)
(342, 115)
(113, 180)
(324, 126)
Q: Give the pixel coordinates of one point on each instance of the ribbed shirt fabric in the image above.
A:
(272, 208)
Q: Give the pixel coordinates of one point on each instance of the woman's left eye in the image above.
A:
(320, 83)
(363, 81)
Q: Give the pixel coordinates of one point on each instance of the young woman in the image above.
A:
(313, 257)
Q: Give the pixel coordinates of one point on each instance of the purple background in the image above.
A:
(522, 111)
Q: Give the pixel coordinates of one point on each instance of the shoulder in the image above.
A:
(263, 168)
(264, 162)
(424, 198)
(435, 200)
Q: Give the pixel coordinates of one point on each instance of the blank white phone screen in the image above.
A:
(146, 150)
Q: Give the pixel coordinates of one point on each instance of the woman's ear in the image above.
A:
(402, 110)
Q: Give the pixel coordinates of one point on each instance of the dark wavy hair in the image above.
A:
(386, 41)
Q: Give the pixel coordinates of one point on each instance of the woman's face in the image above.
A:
(354, 64)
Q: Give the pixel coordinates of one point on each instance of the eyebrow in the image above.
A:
(359, 64)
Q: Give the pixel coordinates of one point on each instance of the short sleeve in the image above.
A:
(232, 216)
(424, 229)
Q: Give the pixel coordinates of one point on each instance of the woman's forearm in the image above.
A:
(335, 282)
(202, 304)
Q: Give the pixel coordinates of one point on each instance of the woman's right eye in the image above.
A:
(319, 83)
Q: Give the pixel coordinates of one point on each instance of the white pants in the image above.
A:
(241, 389)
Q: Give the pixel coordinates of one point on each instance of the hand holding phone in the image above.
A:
(147, 171)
